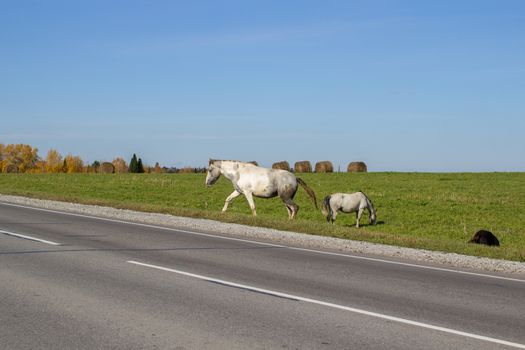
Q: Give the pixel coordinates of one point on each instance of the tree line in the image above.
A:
(21, 158)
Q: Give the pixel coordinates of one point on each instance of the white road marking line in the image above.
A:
(335, 306)
(272, 245)
(28, 237)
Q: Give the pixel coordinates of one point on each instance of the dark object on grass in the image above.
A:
(484, 237)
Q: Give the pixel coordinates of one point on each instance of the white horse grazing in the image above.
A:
(348, 203)
(252, 180)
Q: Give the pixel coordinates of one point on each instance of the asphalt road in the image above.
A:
(90, 283)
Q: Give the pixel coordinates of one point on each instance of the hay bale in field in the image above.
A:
(357, 167)
(106, 168)
(281, 165)
(303, 167)
(324, 167)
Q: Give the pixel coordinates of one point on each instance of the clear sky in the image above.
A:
(402, 85)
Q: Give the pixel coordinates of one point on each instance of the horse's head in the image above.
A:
(373, 217)
(212, 175)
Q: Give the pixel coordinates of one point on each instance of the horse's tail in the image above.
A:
(309, 191)
(326, 208)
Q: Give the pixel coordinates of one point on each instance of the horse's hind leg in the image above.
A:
(291, 207)
(233, 195)
(294, 208)
(287, 193)
(289, 210)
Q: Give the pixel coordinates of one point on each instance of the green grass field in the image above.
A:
(420, 210)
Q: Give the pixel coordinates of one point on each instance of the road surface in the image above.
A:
(78, 282)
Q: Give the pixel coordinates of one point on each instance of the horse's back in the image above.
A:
(270, 174)
(349, 202)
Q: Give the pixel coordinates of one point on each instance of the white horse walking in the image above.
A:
(252, 180)
(348, 203)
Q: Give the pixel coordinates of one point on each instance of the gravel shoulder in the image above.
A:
(282, 237)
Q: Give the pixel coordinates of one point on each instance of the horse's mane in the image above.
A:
(369, 201)
(364, 194)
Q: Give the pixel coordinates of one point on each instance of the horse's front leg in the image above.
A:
(249, 198)
(358, 217)
(233, 195)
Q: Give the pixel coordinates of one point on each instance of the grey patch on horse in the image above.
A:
(288, 192)
(484, 237)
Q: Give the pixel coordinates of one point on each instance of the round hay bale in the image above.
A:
(303, 167)
(106, 168)
(324, 167)
(357, 167)
(281, 165)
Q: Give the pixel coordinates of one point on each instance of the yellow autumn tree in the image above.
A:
(120, 165)
(29, 158)
(18, 158)
(2, 147)
(53, 161)
(39, 168)
(74, 164)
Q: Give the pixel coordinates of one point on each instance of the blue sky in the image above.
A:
(402, 85)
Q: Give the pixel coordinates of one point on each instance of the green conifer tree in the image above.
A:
(140, 167)
(133, 164)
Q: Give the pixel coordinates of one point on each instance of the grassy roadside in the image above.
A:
(420, 210)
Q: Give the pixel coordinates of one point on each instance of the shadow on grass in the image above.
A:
(363, 224)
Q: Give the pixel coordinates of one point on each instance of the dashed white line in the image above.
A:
(335, 306)
(28, 237)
